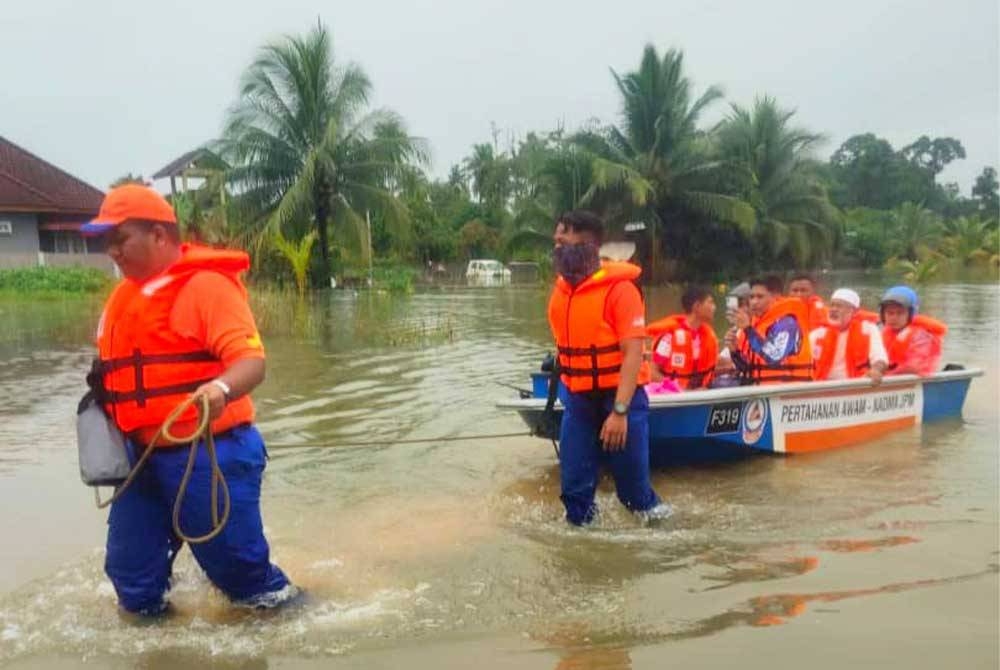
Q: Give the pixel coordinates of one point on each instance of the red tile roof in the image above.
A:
(30, 184)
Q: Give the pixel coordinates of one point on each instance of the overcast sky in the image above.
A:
(102, 88)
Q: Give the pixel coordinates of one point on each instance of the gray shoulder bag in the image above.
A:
(103, 456)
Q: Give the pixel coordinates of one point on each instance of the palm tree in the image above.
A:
(306, 151)
(557, 176)
(655, 164)
(490, 176)
(794, 215)
(914, 228)
(916, 272)
(969, 240)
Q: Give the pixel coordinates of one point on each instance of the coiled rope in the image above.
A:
(217, 483)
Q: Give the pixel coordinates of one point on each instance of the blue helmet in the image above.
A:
(902, 295)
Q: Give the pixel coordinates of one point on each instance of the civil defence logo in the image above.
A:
(754, 420)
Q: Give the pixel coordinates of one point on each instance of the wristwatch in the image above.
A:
(620, 408)
(226, 390)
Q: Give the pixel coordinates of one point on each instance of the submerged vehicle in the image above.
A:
(487, 272)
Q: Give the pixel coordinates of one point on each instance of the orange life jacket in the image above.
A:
(795, 367)
(147, 368)
(897, 342)
(683, 367)
(866, 315)
(816, 312)
(590, 356)
(856, 352)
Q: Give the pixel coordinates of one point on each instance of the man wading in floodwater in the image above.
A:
(179, 324)
(598, 319)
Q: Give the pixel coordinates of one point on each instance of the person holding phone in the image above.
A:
(770, 342)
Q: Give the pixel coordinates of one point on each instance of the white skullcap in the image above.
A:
(848, 296)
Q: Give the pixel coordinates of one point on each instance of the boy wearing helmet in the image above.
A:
(912, 341)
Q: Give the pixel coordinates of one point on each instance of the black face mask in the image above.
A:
(576, 262)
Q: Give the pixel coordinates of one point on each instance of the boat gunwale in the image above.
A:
(714, 396)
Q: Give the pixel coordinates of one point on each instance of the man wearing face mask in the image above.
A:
(597, 317)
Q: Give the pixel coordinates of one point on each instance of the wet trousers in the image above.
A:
(141, 545)
(581, 455)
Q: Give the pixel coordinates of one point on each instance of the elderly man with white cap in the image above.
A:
(850, 345)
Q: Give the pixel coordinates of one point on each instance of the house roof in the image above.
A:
(30, 184)
(197, 158)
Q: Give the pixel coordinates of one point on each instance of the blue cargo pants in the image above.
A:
(141, 543)
(581, 455)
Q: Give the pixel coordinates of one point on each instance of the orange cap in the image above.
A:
(130, 202)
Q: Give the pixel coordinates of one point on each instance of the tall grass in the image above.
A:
(54, 281)
(347, 318)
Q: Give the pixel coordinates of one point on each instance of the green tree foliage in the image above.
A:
(305, 148)
(867, 172)
(916, 272)
(433, 208)
(914, 227)
(552, 175)
(795, 219)
(654, 165)
(477, 240)
(297, 255)
(985, 191)
(968, 240)
(54, 280)
(867, 236)
(490, 175)
(933, 155)
(303, 156)
(870, 173)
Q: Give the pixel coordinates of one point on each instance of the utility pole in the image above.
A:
(371, 262)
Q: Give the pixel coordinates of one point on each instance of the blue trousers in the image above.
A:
(141, 542)
(581, 455)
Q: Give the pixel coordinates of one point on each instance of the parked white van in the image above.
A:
(487, 272)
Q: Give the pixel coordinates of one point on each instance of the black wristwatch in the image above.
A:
(620, 408)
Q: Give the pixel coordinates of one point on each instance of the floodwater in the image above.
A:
(453, 553)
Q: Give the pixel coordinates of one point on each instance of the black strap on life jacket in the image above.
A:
(143, 393)
(758, 370)
(695, 377)
(588, 351)
(137, 361)
(594, 372)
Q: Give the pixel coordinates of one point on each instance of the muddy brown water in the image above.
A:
(454, 553)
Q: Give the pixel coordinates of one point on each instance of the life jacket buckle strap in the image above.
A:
(140, 390)
(174, 389)
(589, 351)
(589, 372)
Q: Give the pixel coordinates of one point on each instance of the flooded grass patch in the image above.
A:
(349, 318)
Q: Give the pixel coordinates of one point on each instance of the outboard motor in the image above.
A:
(548, 363)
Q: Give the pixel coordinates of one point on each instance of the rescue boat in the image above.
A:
(791, 418)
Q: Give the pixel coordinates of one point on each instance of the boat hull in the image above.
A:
(728, 424)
